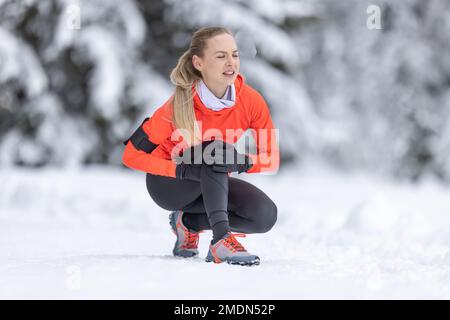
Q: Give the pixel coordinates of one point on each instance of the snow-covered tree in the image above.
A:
(70, 93)
(383, 93)
(76, 77)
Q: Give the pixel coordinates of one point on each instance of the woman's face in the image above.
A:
(220, 55)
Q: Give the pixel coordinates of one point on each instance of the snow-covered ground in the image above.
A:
(95, 233)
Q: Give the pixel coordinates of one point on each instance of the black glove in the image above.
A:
(222, 156)
(227, 159)
(202, 153)
(189, 163)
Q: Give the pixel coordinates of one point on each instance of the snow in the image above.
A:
(18, 60)
(295, 102)
(337, 90)
(355, 96)
(274, 44)
(277, 11)
(109, 49)
(108, 77)
(95, 233)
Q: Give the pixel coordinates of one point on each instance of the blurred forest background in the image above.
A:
(340, 91)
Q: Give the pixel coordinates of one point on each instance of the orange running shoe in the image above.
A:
(187, 241)
(229, 250)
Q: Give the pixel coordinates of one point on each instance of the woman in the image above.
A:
(210, 109)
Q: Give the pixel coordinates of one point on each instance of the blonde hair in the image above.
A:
(183, 77)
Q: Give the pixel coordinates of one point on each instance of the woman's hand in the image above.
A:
(222, 156)
(229, 159)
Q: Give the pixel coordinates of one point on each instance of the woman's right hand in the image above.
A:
(222, 156)
(228, 159)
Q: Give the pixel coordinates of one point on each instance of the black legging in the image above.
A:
(249, 209)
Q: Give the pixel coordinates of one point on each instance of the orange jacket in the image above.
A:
(249, 112)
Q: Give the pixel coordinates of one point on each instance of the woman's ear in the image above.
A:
(196, 63)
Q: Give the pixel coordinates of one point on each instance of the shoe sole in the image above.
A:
(254, 262)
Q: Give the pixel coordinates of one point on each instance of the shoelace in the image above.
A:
(233, 243)
(191, 240)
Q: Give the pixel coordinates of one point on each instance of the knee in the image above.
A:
(267, 216)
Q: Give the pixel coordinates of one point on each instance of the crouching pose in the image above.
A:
(187, 150)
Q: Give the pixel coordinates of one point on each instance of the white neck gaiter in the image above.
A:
(211, 101)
